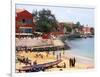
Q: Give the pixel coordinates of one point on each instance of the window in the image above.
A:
(23, 20)
(23, 30)
(29, 21)
(28, 30)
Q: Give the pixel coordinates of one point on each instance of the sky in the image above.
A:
(65, 14)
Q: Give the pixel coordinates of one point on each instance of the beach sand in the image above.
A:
(65, 55)
(65, 59)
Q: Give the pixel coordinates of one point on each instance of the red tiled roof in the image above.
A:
(23, 14)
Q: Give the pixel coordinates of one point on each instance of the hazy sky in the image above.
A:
(66, 14)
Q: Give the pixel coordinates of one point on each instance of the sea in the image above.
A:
(82, 48)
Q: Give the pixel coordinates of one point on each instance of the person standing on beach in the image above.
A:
(64, 65)
(57, 56)
(70, 62)
(60, 55)
(74, 61)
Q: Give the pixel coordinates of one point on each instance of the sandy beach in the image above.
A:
(46, 57)
(65, 59)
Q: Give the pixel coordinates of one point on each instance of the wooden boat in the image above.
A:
(39, 67)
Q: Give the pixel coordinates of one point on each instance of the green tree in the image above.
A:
(68, 28)
(45, 21)
(78, 24)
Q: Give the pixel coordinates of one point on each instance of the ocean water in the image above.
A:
(82, 47)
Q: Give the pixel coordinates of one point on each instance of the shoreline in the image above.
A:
(63, 38)
(79, 57)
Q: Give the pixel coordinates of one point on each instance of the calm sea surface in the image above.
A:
(82, 47)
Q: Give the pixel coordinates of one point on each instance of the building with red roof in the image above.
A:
(24, 21)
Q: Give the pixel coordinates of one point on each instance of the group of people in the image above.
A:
(24, 60)
(39, 55)
(72, 62)
(58, 56)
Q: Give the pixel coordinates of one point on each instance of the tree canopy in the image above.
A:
(45, 21)
(67, 27)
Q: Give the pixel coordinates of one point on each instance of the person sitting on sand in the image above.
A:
(35, 62)
(37, 55)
